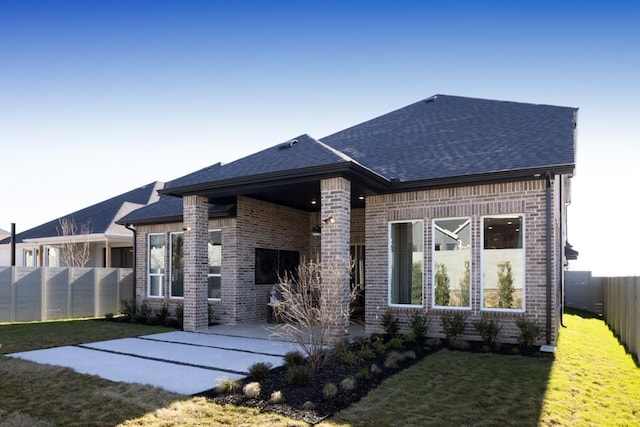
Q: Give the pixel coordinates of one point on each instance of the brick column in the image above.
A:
(195, 212)
(336, 203)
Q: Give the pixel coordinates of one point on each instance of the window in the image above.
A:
(214, 247)
(503, 261)
(406, 253)
(177, 265)
(451, 262)
(30, 257)
(156, 264)
(51, 257)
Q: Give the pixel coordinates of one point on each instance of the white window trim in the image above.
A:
(433, 265)
(149, 274)
(390, 259)
(171, 234)
(215, 275)
(524, 265)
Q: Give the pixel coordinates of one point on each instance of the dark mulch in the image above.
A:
(296, 398)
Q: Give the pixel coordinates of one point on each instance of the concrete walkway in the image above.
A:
(181, 362)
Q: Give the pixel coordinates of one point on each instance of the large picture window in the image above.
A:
(155, 256)
(451, 262)
(177, 265)
(406, 254)
(214, 248)
(503, 262)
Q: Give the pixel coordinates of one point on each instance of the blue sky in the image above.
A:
(99, 97)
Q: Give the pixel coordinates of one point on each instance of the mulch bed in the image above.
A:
(335, 370)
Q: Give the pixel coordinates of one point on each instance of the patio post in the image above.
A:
(336, 216)
(196, 224)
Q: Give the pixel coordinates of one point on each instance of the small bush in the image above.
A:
(228, 385)
(393, 360)
(461, 345)
(418, 324)
(299, 375)
(453, 326)
(179, 312)
(410, 354)
(363, 374)
(434, 342)
(409, 338)
(144, 311)
(329, 390)
(108, 316)
(488, 330)
(378, 346)
(530, 331)
(127, 308)
(390, 323)
(348, 383)
(309, 405)
(259, 371)
(163, 314)
(251, 390)
(366, 353)
(277, 397)
(395, 342)
(293, 358)
(344, 354)
(375, 369)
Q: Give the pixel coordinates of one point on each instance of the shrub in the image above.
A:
(390, 323)
(299, 375)
(378, 346)
(434, 342)
(395, 342)
(453, 326)
(108, 316)
(393, 360)
(251, 390)
(410, 354)
(488, 330)
(163, 314)
(127, 308)
(344, 354)
(329, 390)
(228, 385)
(418, 325)
(461, 345)
(179, 312)
(144, 311)
(375, 369)
(530, 331)
(308, 405)
(408, 338)
(442, 285)
(363, 374)
(259, 371)
(366, 353)
(293, 358)
(277, 397)
(348, 383)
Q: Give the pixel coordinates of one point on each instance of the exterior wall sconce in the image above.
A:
(186, 229)
(329, 220)
(316, 231)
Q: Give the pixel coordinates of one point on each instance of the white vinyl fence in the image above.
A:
(49, 293)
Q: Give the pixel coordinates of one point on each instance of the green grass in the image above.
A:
(591, 382)
(16, 337)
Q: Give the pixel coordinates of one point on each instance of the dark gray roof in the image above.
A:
(301, 152)
(99, 217)
(169, 209)
(451, 136)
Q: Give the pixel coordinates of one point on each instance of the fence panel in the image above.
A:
(622, 310)
(49, 293)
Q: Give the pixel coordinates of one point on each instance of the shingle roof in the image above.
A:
(451, 136)
(168, 209)
(100, 217)
(297, 153)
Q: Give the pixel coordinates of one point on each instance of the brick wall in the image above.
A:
(527, 198)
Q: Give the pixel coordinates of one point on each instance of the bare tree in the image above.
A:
(75, 253)
(312, 309)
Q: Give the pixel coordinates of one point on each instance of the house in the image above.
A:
(109, 244)
(447, 205)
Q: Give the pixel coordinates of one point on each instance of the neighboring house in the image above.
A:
(4, 234)
(448, 205)
(110, 244)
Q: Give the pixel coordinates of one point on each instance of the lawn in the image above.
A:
(592, 381)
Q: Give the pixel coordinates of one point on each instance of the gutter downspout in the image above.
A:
(135, 264)
(549, 257)
(561, 244)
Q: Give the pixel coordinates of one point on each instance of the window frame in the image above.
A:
(171, 234)
(522, 232)
(390, 303)
(469, 221)
(214, 274)
(148, 267)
